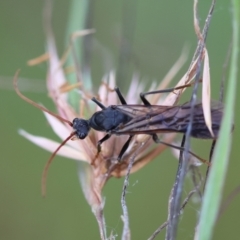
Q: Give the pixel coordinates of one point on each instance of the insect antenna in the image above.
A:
(47, 165)
(15, 79)
(45, 171)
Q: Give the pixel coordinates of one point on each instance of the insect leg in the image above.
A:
(120, 96)
(157, 140)
(105, 138)
(124, 148)
(147, 103)
(98, 103)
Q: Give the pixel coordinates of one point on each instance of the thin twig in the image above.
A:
(101, 222)
(165, 224)
(126, 235)
(204, 36)
(171, 209)
(172, 231)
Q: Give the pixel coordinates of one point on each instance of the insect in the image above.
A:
(130, 120)
(147, 119)
(139, 119)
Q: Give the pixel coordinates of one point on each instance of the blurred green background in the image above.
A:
(161, 29)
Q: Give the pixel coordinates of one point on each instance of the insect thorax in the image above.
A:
(108, 119)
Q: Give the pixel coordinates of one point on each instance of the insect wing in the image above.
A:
(145, 117)
(159, 119)
(138, 110)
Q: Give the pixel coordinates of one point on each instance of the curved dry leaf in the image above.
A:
(50, 146)
(206, 93)
(40, 59)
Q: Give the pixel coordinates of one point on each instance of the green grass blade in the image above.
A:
(214, 187)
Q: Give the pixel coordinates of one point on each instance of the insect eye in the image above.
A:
(81, 127)
(81, 135)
